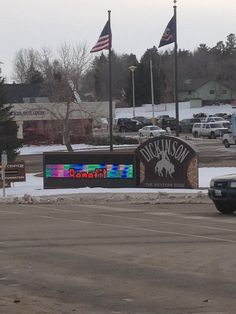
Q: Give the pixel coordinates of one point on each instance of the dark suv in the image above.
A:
(143, 120)
(167, 122)
(222, 192)
(186, 125)
(126, 124)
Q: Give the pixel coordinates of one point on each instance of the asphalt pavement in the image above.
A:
(112, 259)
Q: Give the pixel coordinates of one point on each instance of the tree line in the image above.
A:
(90, 76)
(72, 68)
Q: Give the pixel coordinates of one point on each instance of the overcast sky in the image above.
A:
(136, 24)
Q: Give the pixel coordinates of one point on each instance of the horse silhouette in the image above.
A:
(164, 164)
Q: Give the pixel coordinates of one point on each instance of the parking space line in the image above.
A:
(144, 219)
(119, 226)
(179, 215)
(170, 223)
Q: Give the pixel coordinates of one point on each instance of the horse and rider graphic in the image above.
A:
(164, 167)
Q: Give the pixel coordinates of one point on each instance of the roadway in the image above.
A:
(116, 259)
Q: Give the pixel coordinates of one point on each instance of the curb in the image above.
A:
(121, 198)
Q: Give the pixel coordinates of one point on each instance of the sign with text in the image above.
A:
(167, 162)
(90, 169)
(15, 172)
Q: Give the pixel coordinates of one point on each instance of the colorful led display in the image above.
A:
(90, 171)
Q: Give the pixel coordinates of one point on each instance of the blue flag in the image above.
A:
(168, 36)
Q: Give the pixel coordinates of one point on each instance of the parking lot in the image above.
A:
(100, 259)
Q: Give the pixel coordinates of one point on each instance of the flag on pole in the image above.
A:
(103, 40)
(168, 36)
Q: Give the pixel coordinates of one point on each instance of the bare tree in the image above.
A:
(25, 64)
(67, 66)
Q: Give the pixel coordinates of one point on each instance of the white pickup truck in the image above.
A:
(209, 129)
(229, 139)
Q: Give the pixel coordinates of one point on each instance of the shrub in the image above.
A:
(117, 140)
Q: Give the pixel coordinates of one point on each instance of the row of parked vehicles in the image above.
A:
(134, 124)
(210, 127)
(145, 126)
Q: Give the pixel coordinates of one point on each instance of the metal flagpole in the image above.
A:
(176, 71)
(110, 86)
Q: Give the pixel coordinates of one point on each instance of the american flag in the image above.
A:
(103, 40)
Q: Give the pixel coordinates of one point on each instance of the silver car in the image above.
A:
(151, 131)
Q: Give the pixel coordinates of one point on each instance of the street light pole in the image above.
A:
(152, 90)
(132, 69)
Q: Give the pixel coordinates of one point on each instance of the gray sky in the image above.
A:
(136, 24)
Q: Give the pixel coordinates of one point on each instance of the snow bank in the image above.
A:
(185, 112)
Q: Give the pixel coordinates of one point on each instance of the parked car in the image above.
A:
(229, 139)
(217, 119)
(162, 116)
(126, 124)
(222, 192)
(143, 120)
(210, 129)
(167, 123)
(151, 131)
(186, 125)
(222, 115)
(200, 115)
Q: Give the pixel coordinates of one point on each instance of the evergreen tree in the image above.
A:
(130, 60)
(97, 78)
(101, 79)
(230, 44)
(143, 78)
(8, 128)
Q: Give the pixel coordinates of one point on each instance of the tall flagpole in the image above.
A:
(176, 72)
(110, 86)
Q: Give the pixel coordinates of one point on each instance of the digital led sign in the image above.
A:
(93, 169)
(89, 171)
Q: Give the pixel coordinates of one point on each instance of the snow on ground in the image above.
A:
(34, 184)
(35, 149)
(184, 112)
